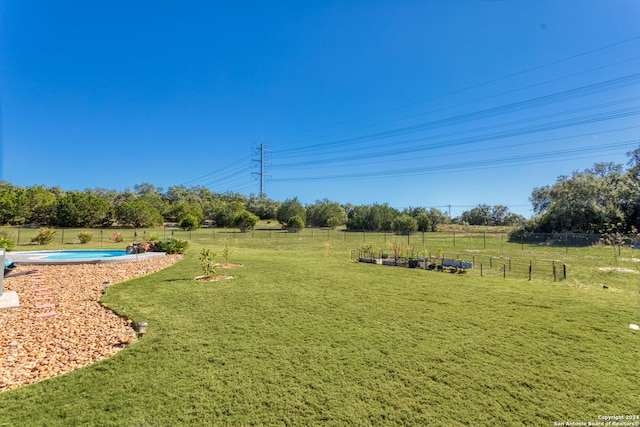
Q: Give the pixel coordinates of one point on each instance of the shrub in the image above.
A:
(85, 237)
(44, 236)
(117, 237)
(295, 223)
(245, 219)
(227, 251)
(172, 246)
(6, 240)
(206, 261)
(189, 222)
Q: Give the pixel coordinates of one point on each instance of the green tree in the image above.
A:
(290, 208)
(188, 215)
(381, 217)
(421, 215)
(404, 223)
(152, 196)
(42, 202)
(325, 213)
(245, 219)
(358, 217)
(137, 213)
(188, 222)
(8, 209)
(437, 217)
(584, 201)
(295, 224)
(480, 215)
(79, 209)
(14, 205)
(262, 206)
(228, 212)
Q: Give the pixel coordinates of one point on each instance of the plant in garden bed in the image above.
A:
(399, 251)
(117, 237)
(227, 251)
(44, 236)
(85, 237)
(368, 252)
(6, 240)
(208, 265)
(172, 246)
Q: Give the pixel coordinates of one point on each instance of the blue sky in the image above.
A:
(413, 103)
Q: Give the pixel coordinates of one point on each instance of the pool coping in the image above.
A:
(27, 258)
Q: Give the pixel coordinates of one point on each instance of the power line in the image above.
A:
(475, 86)
(571, 94)
(544, 157)
(436, 140)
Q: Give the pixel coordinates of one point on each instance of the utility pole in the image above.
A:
(262, 163)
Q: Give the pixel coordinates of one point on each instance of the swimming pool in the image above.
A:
(79, 256)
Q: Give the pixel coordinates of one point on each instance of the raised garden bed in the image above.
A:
(429, 263)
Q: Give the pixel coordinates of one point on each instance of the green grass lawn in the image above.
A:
(304, 336)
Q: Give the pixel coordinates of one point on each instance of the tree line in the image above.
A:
(147, 206)
(600, 199)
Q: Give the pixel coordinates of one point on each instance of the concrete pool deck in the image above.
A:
(37, 258)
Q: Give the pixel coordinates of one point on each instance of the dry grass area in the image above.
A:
(78, 330)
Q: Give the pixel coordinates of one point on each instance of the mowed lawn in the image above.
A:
(303, 336)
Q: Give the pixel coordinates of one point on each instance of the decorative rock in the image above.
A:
(49, 314)
(80, 333)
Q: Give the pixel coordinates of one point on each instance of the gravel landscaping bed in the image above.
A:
(76, 330)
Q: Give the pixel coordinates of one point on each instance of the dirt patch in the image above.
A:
(213, 278)
(228, 265)
(60, 325)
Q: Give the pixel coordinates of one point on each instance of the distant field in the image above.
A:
(305, 336)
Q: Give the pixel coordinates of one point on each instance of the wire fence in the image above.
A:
(491, 254)
(450, 239)
(480, 265)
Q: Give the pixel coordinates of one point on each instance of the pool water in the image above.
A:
(61, 257)
(80, 254)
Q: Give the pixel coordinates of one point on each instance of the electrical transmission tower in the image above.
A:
(262, 164)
